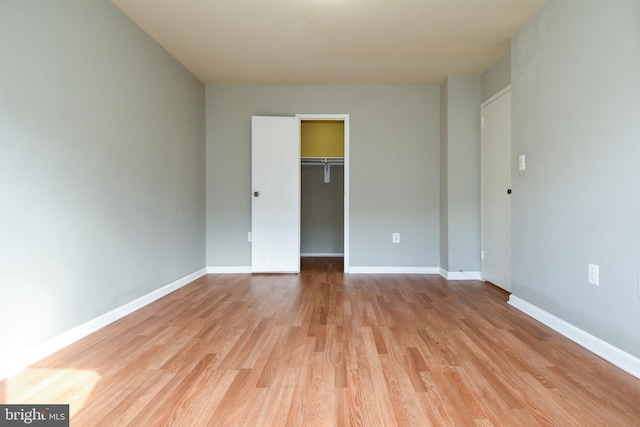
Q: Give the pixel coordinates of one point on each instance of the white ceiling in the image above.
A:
(331, 42)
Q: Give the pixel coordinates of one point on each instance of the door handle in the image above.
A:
(256, 193)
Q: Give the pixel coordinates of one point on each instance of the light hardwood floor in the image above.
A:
(322, 348)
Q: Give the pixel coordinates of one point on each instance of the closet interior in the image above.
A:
(322, 188)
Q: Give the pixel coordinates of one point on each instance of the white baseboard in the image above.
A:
(618, 357)
(393, 270)
(466, 275)
(322, 255)
(461, 275)
(241, 269)
(16, 363)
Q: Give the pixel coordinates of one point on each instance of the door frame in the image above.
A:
(493, 98)
(345, 119)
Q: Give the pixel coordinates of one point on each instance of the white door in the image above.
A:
(496, 187)
(275, 199)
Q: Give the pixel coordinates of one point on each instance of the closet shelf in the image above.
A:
(320, 161)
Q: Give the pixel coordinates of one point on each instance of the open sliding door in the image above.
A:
(275, 199)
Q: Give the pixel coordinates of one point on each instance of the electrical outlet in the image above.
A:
(638, 287)
(481, 254)
(249, 236)
(395, 237)
(594, 275)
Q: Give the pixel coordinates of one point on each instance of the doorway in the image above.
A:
(322, 188)
(275, 207)
(327, 173)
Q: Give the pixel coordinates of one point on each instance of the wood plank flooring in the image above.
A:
(322, 348)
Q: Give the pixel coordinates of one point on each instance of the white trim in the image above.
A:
(18, 362)
(393, 270)
(311, 116)
(322, 255)
(496, 96)
(241, 269)
(618, 357)
(461, 275)
(344, 118)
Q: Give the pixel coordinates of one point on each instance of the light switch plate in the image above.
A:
(594, 275)
(522, 162)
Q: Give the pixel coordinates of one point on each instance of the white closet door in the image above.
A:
(496, 184)
(275, 183)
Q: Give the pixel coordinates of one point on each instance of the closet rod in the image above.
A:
(335, 163)
(320, 161)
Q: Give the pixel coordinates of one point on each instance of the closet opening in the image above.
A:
(323, 192)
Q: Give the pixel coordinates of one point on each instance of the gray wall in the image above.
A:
(321, 211)
(460, 174)
(394, 168)
(101, 171)
(576, 115)
(496, 78)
